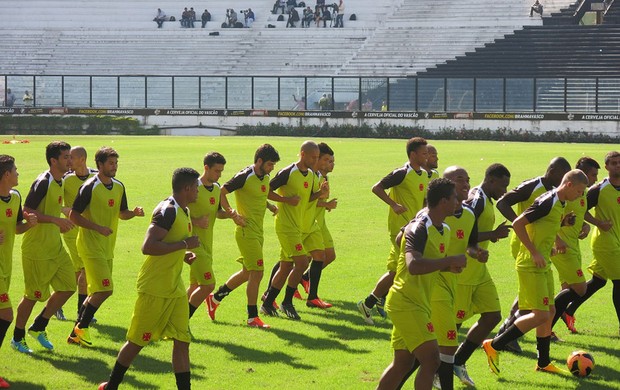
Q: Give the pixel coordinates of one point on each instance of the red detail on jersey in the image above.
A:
(460, 314)
(430, 327)
(618, 200)
(421, 187)
(460, 234)
(546, 301)
(4, 297)
(579, 272)
(263, 188)
(105, 282)
(207, 275)
(305, 184)
(451, 335)
(110, 202)
(146, 336)
(298, 247)
(212, 200)
(259, 262)
(582, 202)
(37, 294)
(9, 213)
(442, 248)
(59, 199)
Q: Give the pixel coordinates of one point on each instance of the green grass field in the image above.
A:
(331, 349)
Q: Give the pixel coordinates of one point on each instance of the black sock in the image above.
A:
(275, 269)
(272, 294)
(222, 293)
(183, 380)
(192, 310)
(252, 311)
(18, 333)
(116, 377)
(512, 333)
(80, 301)
(593, 286)
(288, 296)
(542, 345)
(446, 375)
(4, 326)
(616, 297)
(562, 300)
(464, 352)
(416, 364)
(306, 276)
(40, 323)
(371, 301)
(316, 267)
(87, 315)
(80, 312)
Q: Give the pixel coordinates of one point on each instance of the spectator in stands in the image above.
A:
(536, 7)
(293, 17)
(10, 98)
(340, 16)
(192, 17)
(206, 17)
(367, 106)
(231, 17)
(160, 18)
(290, 4)
(249, 17)
(324, 103)
(384, 106)
(353, 105)
(325, 16)
(320, 4)
(185, 18)
(308, 17)
(28, 99)
(278, 4)
(300, 103)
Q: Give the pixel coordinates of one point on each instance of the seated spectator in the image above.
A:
(160, 18)
(353, 105)
(185, 18)
(325, 16)
(308, 17)
(249, 17)
(320, 4)
(206, 17)
(339, 9)
(290, 4)
(28, 99)
(10, 98)
(192, 17)
(293, 17)
(537, 7)
(301, 103)
(278, 4)
(231, 17)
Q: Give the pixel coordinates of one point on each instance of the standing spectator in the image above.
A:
(324, 103)
(232, 17)
(160, 18)
(185, 18)
(320, 4)
(536, 7)
(384, 106)
(278, 4)
(206, 17)
(28, 99)
(249, 17)
(325, 16)
(367, 106)
(300, 105)
(293, 17)
(340, 15)
(308, 17)
(10, 97)
(192, 17)
(290, 4)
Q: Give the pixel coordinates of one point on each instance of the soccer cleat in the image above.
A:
(289, 310)
(366, 312)
(381, 307)
(461, 373)
(41, 337)
(20, 346)
(317, 302)
(513, 346)
(297, 295)
(103, 386)
(211, 306)
(4, 384)
(93, 321)
(570, 322)
(269, 311)
(275, 305)
(555, 338)
(82, 336)
(552, 368)
(256, 322)
(60, 315)
(73, 340)
(492, 356)
(306, 285)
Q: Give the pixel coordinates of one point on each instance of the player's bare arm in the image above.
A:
(30, 220)
(86, 223)
(155, 246)
(378, 190)
(129, 214)
(63, 223)
(519, 228)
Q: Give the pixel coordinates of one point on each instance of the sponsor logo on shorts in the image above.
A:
(442, 248)
(582, 203)
(460, 234)
(460, 314)
(546, 301)
(430, 327)
(579, 272)
(421, 187)
(110, 202)
(305, 184)
(4, 297)
(147, 336)
(212, 200)
(37, 294)
(298, 247)
(451, 335)
(263, 188)
(9, 213)
(105, 282)
(207, 275)
(259, 262)
(60, 199)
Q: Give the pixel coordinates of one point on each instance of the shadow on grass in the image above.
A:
(347, 311)
(116, 334)
(25, 385)
(242, 353)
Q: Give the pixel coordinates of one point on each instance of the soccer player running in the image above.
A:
(73, 180)
(424, 246)
(523, 196)
(99, 204)
(251, 187)
(603, 197)
(204, 211)
(161, 309)
(13, 220)
(568, 264)
(407, 187)
(475, 291)
(44, 259)
(536, 229)
(295, 191)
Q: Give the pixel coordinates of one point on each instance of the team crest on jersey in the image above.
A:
(207, 275)
(4, 297)
(305, 184)
(460, 314)
(263, 188)
(579, 272)
(110, 202)
(442, 248)
(298, 247)
(9, 213)
(212, 200)
(147, 336)
(37, 294)
(105, 282)
(421, 187)
(618, 200)
(460, 234)
(430, 327)
(259, 262)
(59, 199)
(582, 202)
(451, 335)
(546, 301)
